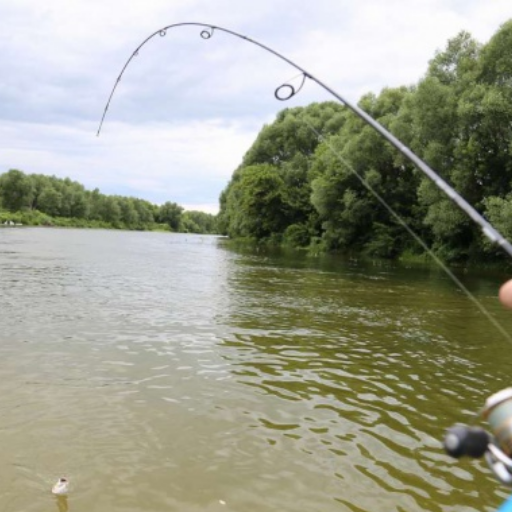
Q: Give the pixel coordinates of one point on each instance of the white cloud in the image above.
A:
(187, 109)
(158, 162)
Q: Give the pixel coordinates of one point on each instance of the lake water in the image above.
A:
(163, 372)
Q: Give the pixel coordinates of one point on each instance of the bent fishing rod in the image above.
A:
(286, 91)
(460, 440)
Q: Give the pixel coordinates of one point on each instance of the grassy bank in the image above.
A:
(36, 218)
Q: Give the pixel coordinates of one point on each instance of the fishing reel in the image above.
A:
(475, 442)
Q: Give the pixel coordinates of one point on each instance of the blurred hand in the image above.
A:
(506, 294)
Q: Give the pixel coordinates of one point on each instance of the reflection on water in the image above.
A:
(166, 372)
(62, 503)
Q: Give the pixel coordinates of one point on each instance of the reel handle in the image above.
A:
(463, 441)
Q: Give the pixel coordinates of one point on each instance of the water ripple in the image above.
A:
(165, 372)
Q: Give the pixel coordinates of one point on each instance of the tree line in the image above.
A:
(48, 200)
(298, 188)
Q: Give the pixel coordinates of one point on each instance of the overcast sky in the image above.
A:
(187, 109)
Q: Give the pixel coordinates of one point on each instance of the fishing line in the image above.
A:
(287, 91)
(208, 31)
(409, 230)
(458, 441)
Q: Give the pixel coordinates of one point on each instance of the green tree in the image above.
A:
(80, 206)
(431, 121)
(39, 184)
(145, 211)
(347, 166)
(16, 190)
(110, 210)
(170, 214)
(193, 221)
(256, 206)
(129, 214)
(288, 145)
(49, 201)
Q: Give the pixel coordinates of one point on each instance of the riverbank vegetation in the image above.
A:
(297, 184)
(39, 200)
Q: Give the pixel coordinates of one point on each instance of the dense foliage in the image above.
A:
(37, 199)
(305, 180)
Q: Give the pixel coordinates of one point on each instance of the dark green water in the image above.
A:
(170, 372)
